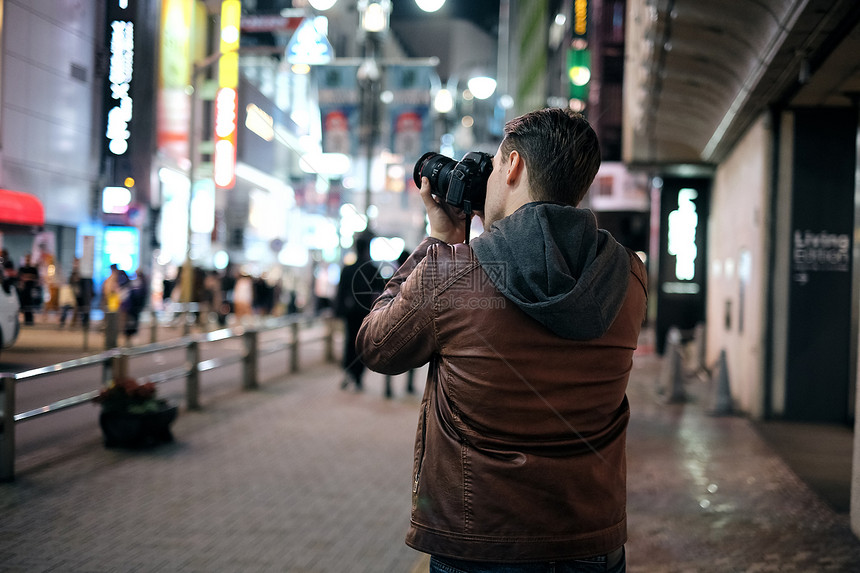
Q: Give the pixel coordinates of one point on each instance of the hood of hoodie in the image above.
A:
(554, 263)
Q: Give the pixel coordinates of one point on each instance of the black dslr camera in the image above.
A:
(461, 184)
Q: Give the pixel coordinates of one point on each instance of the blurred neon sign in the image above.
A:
(224, 161)
(580, 20)
(120, 76)
(682, 235)
(227, 98)
(228, 65)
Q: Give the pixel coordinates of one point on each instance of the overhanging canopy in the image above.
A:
(698, 73)
(18, 208)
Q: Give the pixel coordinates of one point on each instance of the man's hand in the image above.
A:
(446, 223)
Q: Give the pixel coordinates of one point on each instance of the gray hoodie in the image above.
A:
(553, 262)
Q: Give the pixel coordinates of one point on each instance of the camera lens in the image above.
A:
(437, 168)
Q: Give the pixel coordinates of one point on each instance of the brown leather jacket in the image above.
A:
(520, 448)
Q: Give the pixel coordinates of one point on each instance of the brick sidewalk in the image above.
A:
(303, 477)
(298, 476)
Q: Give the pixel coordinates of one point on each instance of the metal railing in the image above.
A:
(114, 365)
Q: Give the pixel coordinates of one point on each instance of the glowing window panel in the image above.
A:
(259, 122)
(121, 248)
(116, 199)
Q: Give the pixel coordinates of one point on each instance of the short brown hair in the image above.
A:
(560, 150)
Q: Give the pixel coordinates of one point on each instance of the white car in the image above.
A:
(8, 315)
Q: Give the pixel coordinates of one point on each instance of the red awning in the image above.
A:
(18, 208)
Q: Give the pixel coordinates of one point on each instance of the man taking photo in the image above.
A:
(529, 332)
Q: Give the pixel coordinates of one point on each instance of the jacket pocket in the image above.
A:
(419, 454)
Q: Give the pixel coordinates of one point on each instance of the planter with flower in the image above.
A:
(132, 416)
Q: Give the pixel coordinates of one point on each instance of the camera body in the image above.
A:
(462, 184)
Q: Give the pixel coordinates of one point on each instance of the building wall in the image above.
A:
(47, 120)
(738, 264)
(818, 306)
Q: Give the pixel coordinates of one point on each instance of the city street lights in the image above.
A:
(430, 5)
(482, 87)
(374, 18)
(462, 103)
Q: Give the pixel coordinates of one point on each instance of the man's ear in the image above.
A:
(515, 168)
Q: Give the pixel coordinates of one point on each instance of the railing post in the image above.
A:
(294, 347)
(107, 370)
(329, 339)
(153, 326)
(120, 367)
(7, 438)
(111, 322)
(186, 319)
(192, 382)
(249, 362)
(85, 325)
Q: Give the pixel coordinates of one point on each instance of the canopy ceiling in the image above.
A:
(699, 72)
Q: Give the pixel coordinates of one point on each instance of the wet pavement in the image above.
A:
(707, 493)
(300, 476)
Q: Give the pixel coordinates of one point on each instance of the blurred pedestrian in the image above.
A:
(243, 296)
(261, 296)
(84, 290)
(228, 284)
(168, 284)
(199, 295)
(66, 298)
(213, 298)
(111, 296)
(7, 270)
(5, 263)
(360, 284)
(135, 293)
(29, 289)
(51, 279)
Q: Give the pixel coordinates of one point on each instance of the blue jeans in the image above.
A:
(590, 565)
